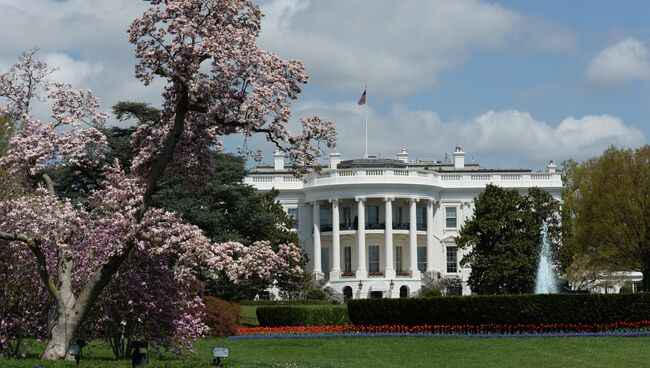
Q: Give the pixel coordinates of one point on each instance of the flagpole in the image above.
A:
(366, 110)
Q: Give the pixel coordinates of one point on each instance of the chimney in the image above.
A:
(551, 166)
(278, 160)
(459, 158)
(403, 156)
(335, 158)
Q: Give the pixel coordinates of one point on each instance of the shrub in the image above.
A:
(277, 316)
(503, 309)
(285, 302)
(221, 316)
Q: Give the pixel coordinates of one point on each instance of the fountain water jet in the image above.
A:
(546, 282)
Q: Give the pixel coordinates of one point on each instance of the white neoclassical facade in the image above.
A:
(374, 227)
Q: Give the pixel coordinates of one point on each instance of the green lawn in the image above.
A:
(379, 352)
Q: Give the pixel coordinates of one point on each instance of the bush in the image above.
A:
(503, 309)
(285, 302)
(278, 316)
(221, 316)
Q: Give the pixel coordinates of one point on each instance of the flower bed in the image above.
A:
(559, 329)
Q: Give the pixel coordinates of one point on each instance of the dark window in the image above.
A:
(325, 217)
(376, 295)
(373, 258)
(347, 218)
(422, 259)
(454, 290)
(398, 259)
(347, 259)
(404, 292)
(293, 213)
(347, 293)
(451, 220)
(373, 215)
(421, 219)
(452, 259)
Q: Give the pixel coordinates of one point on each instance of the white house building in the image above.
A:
(374, 227)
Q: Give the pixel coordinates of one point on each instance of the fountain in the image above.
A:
(546, 283)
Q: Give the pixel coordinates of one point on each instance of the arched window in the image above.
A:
(404, 292)
(347, 293)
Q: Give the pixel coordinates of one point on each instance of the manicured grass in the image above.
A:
(379, 352)
(247, 317)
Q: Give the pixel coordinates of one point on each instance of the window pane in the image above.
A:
(373, 258)
(421, 219)
(398, 259)
(450, 217)
(373, 215)
(452, 259)
(347, 262)
(325, 216)
(293, 213)
(422, 259)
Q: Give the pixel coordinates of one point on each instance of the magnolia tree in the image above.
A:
(218, 82)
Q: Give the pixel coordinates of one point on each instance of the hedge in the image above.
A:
(503, 309)
(285, 302)
(302, 316)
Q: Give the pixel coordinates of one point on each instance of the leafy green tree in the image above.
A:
(504, 239)
(612, 212)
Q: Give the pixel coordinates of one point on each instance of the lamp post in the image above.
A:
(139, 359)
(75, 350)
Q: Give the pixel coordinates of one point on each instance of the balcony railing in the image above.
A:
(380, 226)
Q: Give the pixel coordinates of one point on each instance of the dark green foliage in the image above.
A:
(278, 316)
(141, 111)
(502, 309)
(284, 302)
(504, 237)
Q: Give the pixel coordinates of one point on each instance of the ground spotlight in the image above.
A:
(75, 350)
(138, 358)
(218, 353)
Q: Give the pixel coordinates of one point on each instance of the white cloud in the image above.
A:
(70, 70)
(397, 47)
(623, 62)
(512, 138)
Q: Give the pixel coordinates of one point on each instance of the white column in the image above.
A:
(316, 218)
(361, 273)
(336, 241)
(389, 270)
(413, 240)
(430, 235)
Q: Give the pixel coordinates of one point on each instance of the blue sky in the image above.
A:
(516, 83)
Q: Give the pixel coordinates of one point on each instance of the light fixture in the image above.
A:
(138, 358)
(75, 350)
(391, 283)
(360, 284)
(218, 353)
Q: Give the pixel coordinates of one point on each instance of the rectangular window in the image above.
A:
(422, 259)
(373, 215)
(347, 218)
(398, 217)
(325, 216)
(373, 258)
(325, 261)
(398, 259)
(421, 219)
(450, 218)
(347, 259)
(293, 213)
(452, 259)
(454, 291)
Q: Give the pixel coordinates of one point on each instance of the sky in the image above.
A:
(516, 83)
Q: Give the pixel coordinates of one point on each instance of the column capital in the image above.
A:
(333, 200)
(414, 199)
(360, 199)
(389, 198)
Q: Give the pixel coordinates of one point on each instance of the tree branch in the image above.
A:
(41, 263)
(49, 183)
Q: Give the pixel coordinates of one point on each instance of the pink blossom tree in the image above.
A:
(218, 82)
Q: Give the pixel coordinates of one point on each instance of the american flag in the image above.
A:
(362, 100)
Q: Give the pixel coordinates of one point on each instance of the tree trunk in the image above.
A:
(64, 330)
